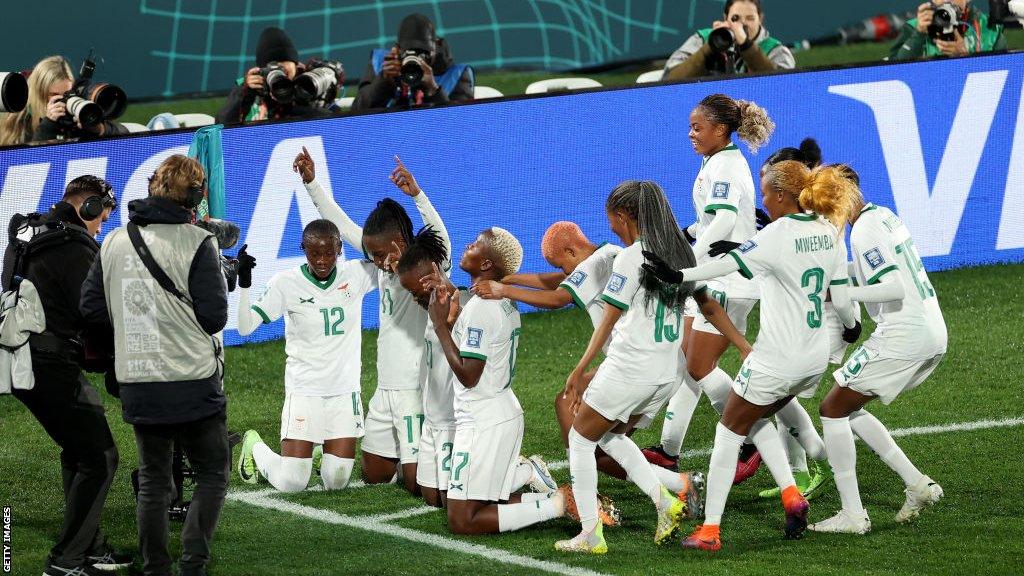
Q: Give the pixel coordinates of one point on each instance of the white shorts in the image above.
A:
(736, 308)
(484, 460)
(434, 463)
(834, 328)
(885, 378)
(618, 401)
(762, 389)
(318, 418)
(393, 422)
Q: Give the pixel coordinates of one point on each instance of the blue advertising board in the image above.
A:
(940, 142)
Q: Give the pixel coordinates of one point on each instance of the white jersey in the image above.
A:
(322, 326)
(645, 347)
(488, 330)
(795, 259)
(439, 386)
(587, 281)
(911, 328)
(724, 183)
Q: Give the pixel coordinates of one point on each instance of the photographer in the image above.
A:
(56, 260)
(418, 70)
(167, 357)
(959, 29)
(50, 80)
(255, 99)
(737, 45)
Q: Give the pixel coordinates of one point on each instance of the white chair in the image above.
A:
(561, 84)
(194, 120)
(648, 77)
(345, 103)
(133, 127)
(484, 92)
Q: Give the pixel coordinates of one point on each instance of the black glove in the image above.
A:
(851, 335)
(245, 265)
(722, 247)
(661, 270)
(762, 218)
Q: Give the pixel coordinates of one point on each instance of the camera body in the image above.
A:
(89, 102)
(226, 234)
(276, 83)
(413, 61)
(947, 19)
(320, 82)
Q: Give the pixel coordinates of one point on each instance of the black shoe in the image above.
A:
(83, 570)
(107, 559)
(194, 572)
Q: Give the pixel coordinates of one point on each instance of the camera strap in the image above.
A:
(154, 269)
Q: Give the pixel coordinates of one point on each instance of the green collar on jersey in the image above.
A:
(804, 217)
(730, 146)
(321, 284)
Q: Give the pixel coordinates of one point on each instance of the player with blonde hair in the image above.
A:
(796, 259)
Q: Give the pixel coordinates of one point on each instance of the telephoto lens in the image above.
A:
(277, 84)
(13, 92)
(721, 39)
(320, 82)
(85, 112)
(111, 99)
(412, 68)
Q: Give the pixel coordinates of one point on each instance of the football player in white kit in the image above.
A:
(723, 199)
(797, 258)
(907, 344)
(394, 415)
(322, 303)
(480, 348)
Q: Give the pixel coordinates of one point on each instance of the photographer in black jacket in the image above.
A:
(168, 356)
(57, 260)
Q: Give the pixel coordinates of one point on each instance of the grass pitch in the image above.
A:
(382, 530)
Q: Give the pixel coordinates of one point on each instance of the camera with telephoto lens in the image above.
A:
(721, 40)
(226, 233)
(946, 20)
(13, 92)
(413, 62)
(320, 82)
(89, 102)
(276, 83)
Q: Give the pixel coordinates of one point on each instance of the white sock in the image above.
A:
(621, 448)
(721, 472)
(523, 474)
(717, 386)
(794, 417)
(842, 455)
(583, 470)
(875, 435)
(794, 451)
(285, 473)
(534, 496)
(515, 516)
(669, 479)
(766, 438)
(678, 415)
(336, 471)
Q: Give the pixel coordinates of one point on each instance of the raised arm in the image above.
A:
(404, 180)
(351, 233)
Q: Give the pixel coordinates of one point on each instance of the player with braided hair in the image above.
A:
(394, 415)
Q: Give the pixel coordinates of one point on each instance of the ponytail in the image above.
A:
(827, 190)
(426, 246)
(389, 216)
(808, 154)
(748, 120)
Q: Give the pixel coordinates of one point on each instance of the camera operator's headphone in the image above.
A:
(93, 206)
(195, 194)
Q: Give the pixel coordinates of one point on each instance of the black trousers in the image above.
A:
(205, 442)
(71, 412)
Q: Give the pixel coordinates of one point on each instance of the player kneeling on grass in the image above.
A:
(908, 343)
(643, 367)
(322, 303)
(796, 259)
(481, 348)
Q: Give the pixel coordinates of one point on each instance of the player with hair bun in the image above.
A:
(480, 348)
(723, 199)
(796, 259)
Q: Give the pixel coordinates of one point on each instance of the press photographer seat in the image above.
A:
(194, 120)
(561, 85)
(484, 92)
(648, 77)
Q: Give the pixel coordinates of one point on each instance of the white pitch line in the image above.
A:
(370, 524)
(407, 513)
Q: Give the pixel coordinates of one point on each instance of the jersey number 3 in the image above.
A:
(815, 276)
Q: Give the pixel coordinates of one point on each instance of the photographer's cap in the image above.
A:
(274, 45)
(416, 32)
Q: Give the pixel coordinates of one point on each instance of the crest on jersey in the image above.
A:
(747, 246)
(874, 258)
(720, 190)
(474, 336)
(577, 278)
(616, 283)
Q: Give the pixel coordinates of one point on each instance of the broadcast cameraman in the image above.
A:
(253, 99)
(168, 360)
(56, 260)
(738, 44)
(418, 70)
(968, 32)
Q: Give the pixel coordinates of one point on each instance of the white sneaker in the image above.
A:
(919, 497)
(585, 542)
(541, 481)
(844, 523)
